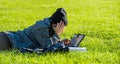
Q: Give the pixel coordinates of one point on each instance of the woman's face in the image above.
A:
(59, 27)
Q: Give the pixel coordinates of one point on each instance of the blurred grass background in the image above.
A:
(99, 20)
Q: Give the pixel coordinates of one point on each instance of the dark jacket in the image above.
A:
(36, 36)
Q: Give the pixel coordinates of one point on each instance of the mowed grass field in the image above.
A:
(99, 20)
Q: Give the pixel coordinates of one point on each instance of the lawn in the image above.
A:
(99, 20)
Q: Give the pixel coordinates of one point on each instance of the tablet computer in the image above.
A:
(76, 40)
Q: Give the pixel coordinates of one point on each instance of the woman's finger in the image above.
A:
(58, 25)
(61, 22)
(62, 25)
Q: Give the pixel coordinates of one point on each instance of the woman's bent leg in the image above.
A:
(4, 42)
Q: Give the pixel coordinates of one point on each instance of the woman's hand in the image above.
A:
(59, 28)
(66, 41)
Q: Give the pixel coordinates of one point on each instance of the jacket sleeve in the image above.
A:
(58, 47)
(43, 38)
(55, 39)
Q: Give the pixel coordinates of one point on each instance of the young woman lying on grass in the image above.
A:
(42, 35)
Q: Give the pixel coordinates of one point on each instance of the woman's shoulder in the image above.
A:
(43, 23)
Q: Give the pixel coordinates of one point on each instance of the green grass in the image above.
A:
(99, 20)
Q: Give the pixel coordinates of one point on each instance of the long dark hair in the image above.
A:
(56, 17)
(51, 31)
